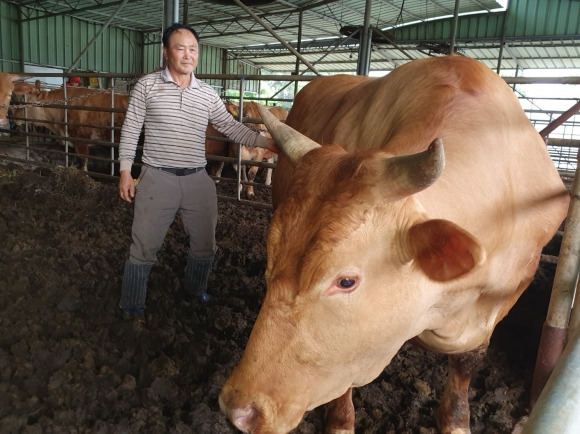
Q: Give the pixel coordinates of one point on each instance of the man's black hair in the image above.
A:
(172, 28)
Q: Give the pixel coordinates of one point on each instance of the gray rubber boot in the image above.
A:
(134, 290)
(197, 273)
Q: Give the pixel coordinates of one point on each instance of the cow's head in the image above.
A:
(354, 269)
(6, 90)
(28, 90)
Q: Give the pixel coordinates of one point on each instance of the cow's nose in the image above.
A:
(246, 418)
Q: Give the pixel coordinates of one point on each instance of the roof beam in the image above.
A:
(269, 29)
(72, 10)
(560, 120)
(513, 56)
(103, 27)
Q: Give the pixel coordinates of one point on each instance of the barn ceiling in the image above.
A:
(260, 32)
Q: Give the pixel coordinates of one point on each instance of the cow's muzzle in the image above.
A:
(246, 417)
(258, 414)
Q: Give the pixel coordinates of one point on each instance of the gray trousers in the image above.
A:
(159, 196)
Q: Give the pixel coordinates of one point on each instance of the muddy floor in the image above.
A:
(70, 364)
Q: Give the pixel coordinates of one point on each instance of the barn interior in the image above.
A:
(134, 379)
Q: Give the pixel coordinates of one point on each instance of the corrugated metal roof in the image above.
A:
(535, 34)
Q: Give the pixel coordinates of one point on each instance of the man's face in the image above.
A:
(182, 52)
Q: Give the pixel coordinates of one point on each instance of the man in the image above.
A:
(73, 81)
(174, 107)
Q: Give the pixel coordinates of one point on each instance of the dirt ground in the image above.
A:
(70, 364)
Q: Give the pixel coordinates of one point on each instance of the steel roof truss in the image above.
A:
(273, 33)
(513, 56)
(71, 10)
(401, 10)
(234, 33)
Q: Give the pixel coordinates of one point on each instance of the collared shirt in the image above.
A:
(175, 122)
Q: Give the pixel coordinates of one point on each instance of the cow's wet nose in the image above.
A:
(245, 417)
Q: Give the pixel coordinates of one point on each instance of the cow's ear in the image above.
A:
(443, 250)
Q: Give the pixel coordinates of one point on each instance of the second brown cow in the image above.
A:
(255, 154)
(82, 125)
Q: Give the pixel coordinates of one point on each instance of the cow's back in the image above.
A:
(279, 112)
(492, 151)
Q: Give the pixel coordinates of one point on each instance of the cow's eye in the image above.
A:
(346, 283)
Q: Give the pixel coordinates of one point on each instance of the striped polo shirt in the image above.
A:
(175, 121)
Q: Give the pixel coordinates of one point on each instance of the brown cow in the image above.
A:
(6, 89)
(255, 153)
(81, 124)
(214, 145)
(421, 218)
(249, 153)
(217, 144)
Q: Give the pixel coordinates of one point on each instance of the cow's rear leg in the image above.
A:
(217, 172)
(82, 149)
(252, 172)
(269, 172)
(339, 415)
(243, 177)
(453, 412)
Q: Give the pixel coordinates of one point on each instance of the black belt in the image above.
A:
(180, 171)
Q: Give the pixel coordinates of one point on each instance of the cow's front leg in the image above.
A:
(339, 415)
(453, 412)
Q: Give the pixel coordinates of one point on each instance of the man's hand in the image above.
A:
(263, 141)
(271, 145)
(126, 186)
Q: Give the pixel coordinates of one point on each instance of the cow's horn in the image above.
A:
(294, 144)
(413, 173)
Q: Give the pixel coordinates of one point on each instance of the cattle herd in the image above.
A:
(404, 212)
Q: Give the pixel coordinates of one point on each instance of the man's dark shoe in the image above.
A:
(203, 298)
(133, 312)
(197, 273)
